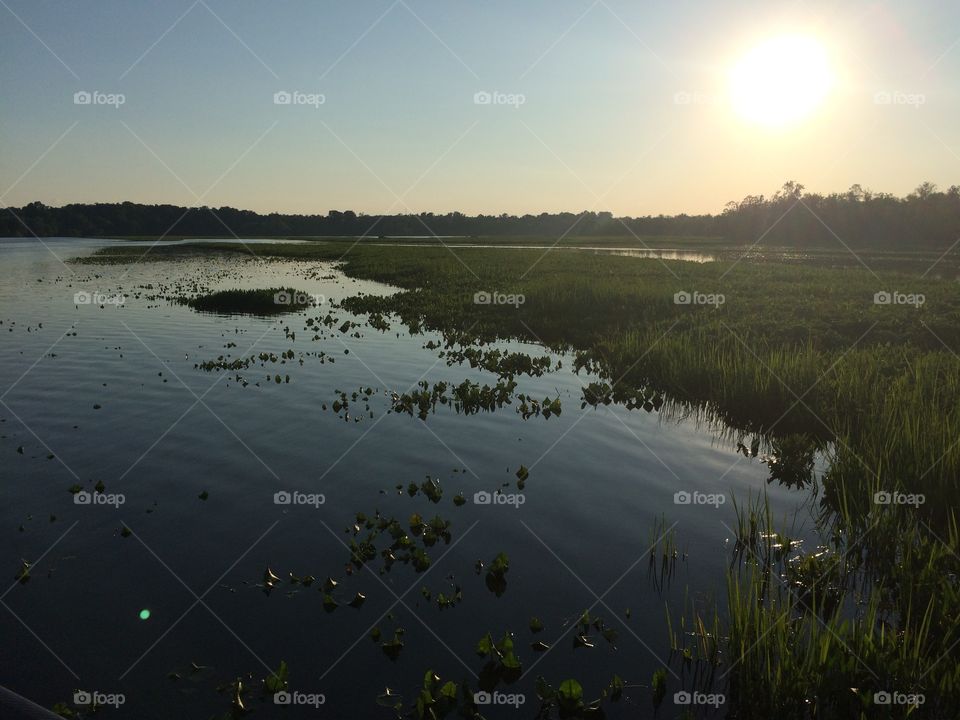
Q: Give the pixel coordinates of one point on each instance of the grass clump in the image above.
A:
(267, 301)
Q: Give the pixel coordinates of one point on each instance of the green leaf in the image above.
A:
(659, 686)
(570, 691)
(277, 681)
(616, 688)
(485, 645)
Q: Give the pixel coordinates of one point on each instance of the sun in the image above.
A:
(781, 82)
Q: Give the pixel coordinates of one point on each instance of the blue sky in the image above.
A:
(624, 104)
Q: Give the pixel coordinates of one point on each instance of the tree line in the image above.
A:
(927, 218)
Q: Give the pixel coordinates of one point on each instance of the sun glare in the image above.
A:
(781, 82)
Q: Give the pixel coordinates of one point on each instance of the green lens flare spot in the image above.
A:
(144, 614)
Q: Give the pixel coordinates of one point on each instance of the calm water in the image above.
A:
(697, 256)
(113, 395)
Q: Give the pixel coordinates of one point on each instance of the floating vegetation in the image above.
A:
(600, 393)
(401, 545)
(503, 665)
(506, 365)
(469, 398)
(436, 699)
(496, 578)
(392, 647)
(586, 624)
(269, 301)
(270, 580)
(277, 681)
(23, 574)
(449, 599)
(566, 700)
(529, 407)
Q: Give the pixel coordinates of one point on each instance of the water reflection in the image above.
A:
(697, 256)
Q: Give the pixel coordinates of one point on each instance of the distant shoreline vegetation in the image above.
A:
(926, 219)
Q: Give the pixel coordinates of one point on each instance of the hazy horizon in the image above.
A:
(322, 212)
(605, 106)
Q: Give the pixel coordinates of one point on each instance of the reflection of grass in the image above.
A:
(800, 355)
(270, 301)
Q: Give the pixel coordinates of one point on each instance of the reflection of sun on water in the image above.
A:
(781, 82)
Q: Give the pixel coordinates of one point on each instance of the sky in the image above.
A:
(487, 107)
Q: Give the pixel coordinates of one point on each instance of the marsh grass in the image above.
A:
(817, 633)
